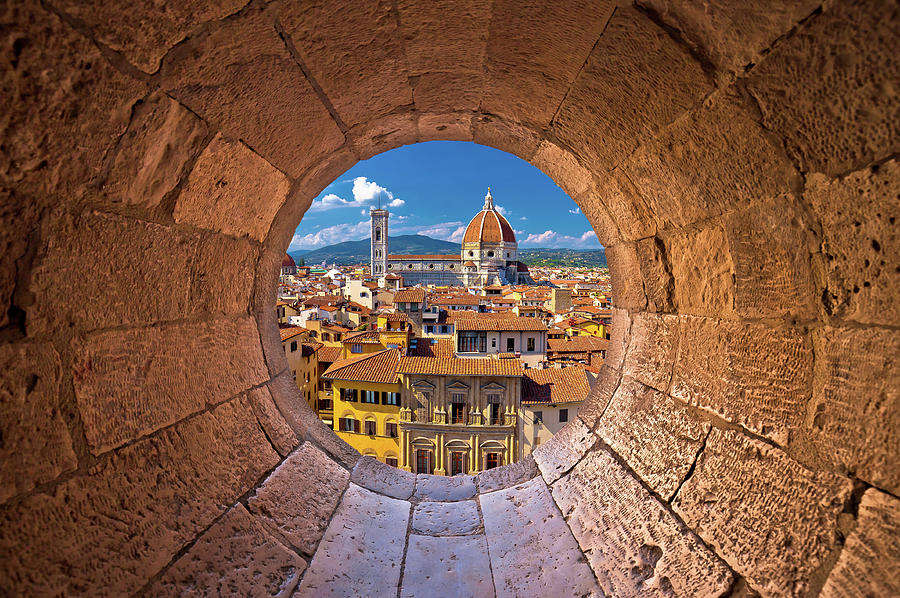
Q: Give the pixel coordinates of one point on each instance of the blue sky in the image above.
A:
(435, 188)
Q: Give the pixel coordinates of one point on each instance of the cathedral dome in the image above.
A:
(489, 225)
(288, 262)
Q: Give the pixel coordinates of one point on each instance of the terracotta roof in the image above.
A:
(409, 296)
(430, 347)
(290, 332)
(424, 256)
(378, 367)
(398, 317)
(489, 226)
(330, 354)
(460, 366)
(307, 349)
(505, 356)
(499, 322)
(366, 336)
(555, 385)
(392, 277)
(456, 300)
(469, 264)
(577, 344)
(288, 262)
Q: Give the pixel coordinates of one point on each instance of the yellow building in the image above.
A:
(395, 329)
(550, 399)
(366, 403)
(302, 361)
(362, 343)
(459, 415)
(578, 326)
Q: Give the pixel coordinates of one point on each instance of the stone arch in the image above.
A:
(743, 216)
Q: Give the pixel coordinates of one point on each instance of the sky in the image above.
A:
(435, 188)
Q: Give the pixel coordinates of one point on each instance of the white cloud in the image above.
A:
(330, 235)
(457, 235)
(523, 218)
(502, 210)
(577, 210)
(448, 231)
(365, 193)
(549, 238)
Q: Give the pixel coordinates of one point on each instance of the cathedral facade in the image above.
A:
(488, 255)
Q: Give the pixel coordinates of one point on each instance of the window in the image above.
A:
(531, 343)
(370, 396)
(490, 254)
(349, 394)
(458, 409)
(392, 461)
(356, 348)
(491, 460)
(413, 307)
(510, 345)
(429, 329)
(424, 461)
(370, 427)
(563, 415)
(293, 346)
(390, 429)
(457, 462)
(423, 408)
(377, 233)
(538, 417)
(348, 424)
(431, 266)
(472, 342)
(471, 253)
(390, 398)
(444, 329)
(494, 414)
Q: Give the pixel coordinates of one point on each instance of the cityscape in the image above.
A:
(445, 364)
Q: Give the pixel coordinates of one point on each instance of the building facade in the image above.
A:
(489, 254)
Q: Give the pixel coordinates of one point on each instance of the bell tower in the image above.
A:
(379, 241)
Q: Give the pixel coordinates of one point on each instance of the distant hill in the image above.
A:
(357, 252)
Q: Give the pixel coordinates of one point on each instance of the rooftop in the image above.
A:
(460, 366)
(555, 385)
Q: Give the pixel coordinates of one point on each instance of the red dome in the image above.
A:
(288, 262)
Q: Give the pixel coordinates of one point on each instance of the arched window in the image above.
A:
(378, 233)
(490, 254)
(377, 253)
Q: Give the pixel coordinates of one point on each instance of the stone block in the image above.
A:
(155, 154)
(283, 439)
(505, 135)
(636, 80)
(354, 52)
(533, 55)
(508, 475)
(828, 89)
(625, 273)
(128, 272)
(306, 423)
(270, 339)
(598, 399)
(532, 549)
(702, 271)
(444, 488)
(448, 92)
(619, 337)
(634, 544)
(129, 383)
(651, 352)
(719, 369)
(853, 419)
(626, 206)
(457, 518)
(64, 105)
(868, 562)
(109, 532)
(654, 435)
(784, 527)
(556, 456)
(656, 275)
(374, 475)
(384, 134)
(454, 126)
(563, 167)
(860, 243)
(36, 446)
(734, 35)
(444, 38)
(242, 78)
(141, 32)
(693, 170)
(222, 275)
(18, 220)
(455, 567)
(297, 500)
(234, 556)
(605, 226)
(771, 245)
(232, 190)
(362, 548)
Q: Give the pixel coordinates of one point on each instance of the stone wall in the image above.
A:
(738, 161)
